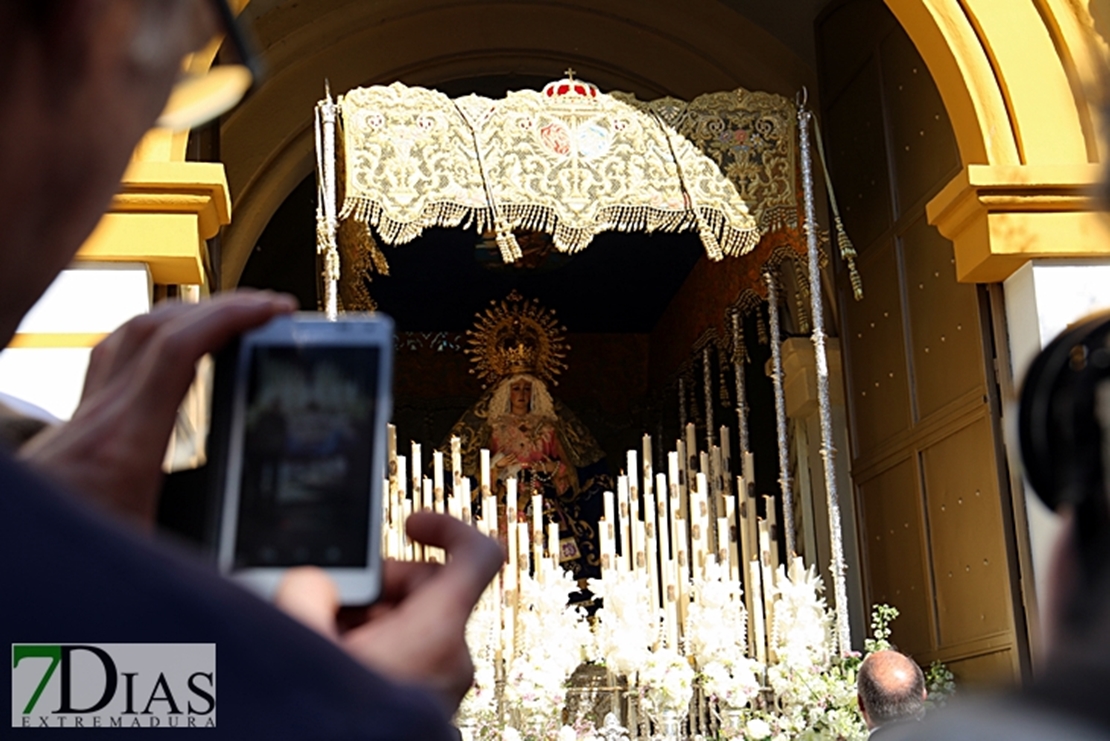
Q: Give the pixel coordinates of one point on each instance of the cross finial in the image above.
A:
(569, 73)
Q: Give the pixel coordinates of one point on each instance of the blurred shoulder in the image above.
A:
(997, 719)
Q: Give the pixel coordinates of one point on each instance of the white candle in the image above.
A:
(670, 607)
(413, 552)
(537, 536)
(748, 548)
(489, 516)
(633, 471)
(508, 615)
(768, 580)
(553, 546)
(417, 471)
(451, 504)
(391, 452)
(485, 483)
(397, 513)
(437, 472)
(672, 468)
(680, 478)
(735, 564)
(430, 553)
(468, 509)
(512, 571)
(674, 506)
(524, 552)
(426, 494)
(634, 505)
(499, 621)
(456, 462)
(651, 551)
(605, 535)
(699, 519)
(663, 525)
(678, 534)
(749, 468)
(641, 559)
(625, 561)
(607, 527)
(391, 545)
(723, 551)
(402, 479)
(645, 460)
(774, 533)
(682, 564)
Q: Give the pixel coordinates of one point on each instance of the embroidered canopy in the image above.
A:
(568, 161)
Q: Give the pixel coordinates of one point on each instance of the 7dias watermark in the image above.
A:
(113, 685)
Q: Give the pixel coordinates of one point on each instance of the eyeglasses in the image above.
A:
(199, 98)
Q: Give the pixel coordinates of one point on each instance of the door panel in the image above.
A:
(893, 533)
(965, 524)
(878, 383)
(925, 458)
(945, 342)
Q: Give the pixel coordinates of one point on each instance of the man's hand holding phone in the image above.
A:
(416, 632)
(112, 452)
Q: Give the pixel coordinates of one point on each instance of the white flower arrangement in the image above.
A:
(801, 629)
(552, 640)
(478, 713)
(716, 639)
(667, 682)
(626, 626)
(805, 693)
(733, 684)
(717, 623)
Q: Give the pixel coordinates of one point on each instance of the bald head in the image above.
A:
(891, 687)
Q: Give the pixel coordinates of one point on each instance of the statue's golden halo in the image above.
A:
(516, 336)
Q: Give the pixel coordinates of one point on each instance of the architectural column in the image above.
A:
(1043, 297)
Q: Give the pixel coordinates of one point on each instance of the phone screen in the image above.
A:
(304, 488)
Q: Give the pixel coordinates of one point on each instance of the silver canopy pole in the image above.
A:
(786, 483)
(327, 224)
(828, 451)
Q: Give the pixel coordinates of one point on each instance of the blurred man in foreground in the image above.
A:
(1064, 425)
(80, 83)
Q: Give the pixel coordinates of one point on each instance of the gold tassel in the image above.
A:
(848, 252)
(712, 246)
(506, 241)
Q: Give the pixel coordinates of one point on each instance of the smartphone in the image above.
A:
(300, 408)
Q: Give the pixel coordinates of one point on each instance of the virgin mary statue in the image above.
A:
(518, 349)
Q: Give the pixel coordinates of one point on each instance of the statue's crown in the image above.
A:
(516, 336)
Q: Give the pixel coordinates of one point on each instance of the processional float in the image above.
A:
(572, 162)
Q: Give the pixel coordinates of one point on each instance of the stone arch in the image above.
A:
(1021, 83)
(1017, 78)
